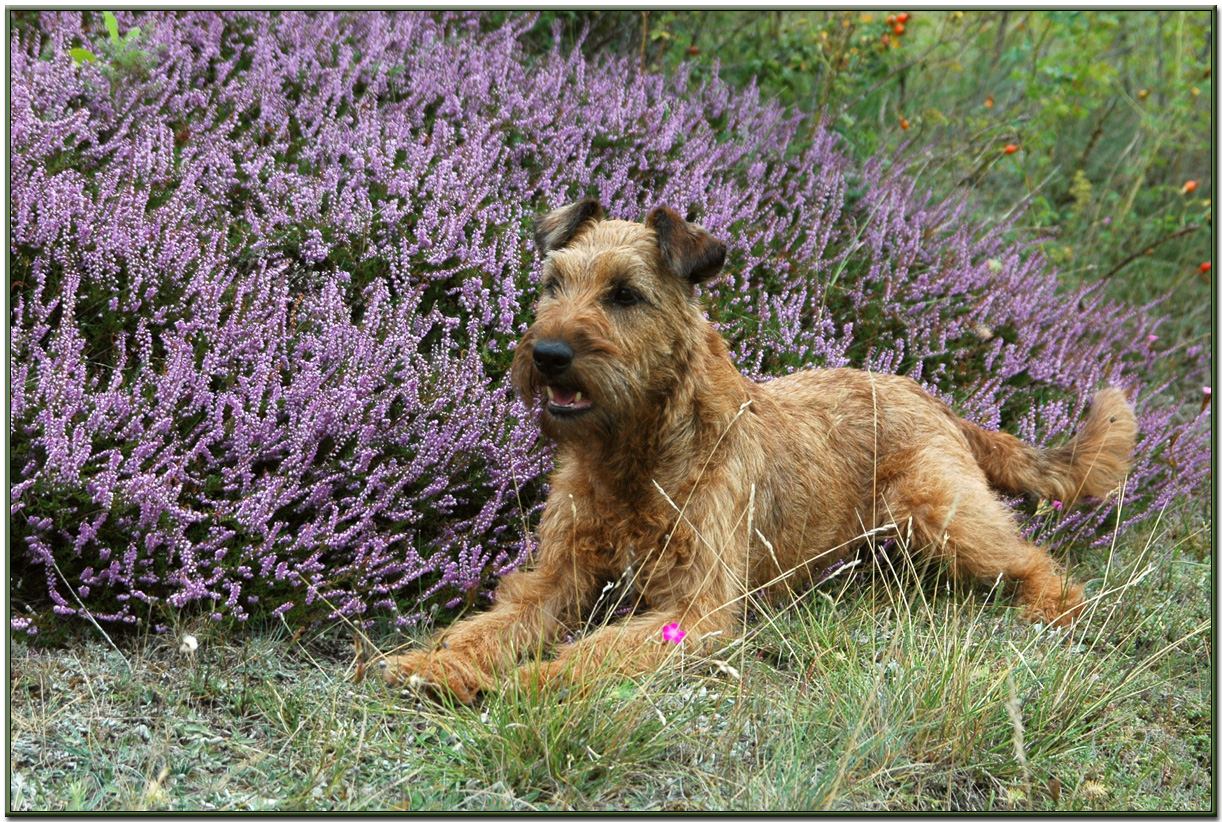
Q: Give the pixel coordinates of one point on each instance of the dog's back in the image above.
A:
(875, 414)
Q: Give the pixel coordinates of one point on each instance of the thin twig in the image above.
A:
(1098, 132)
(1185, 230)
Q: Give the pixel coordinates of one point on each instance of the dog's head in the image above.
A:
(617, 318)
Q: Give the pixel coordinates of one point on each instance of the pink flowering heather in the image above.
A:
(265, 287)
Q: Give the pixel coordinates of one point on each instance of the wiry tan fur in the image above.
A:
(702, 486)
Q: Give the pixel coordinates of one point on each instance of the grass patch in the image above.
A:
(875, 692)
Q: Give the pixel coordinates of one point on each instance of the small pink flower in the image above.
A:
(1151, 337)
(1056, 503)
(673, 633)
(1209, 392)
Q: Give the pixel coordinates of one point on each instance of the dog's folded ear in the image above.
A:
(690, 251)
(556, 229)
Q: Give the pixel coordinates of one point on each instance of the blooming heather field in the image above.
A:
(265, 284)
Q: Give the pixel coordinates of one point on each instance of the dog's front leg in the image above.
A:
(639, 644)
(471, 655)
(694, 596)
(532, 606)
(696, 587)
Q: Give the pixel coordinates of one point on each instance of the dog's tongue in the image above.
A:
(566, 398)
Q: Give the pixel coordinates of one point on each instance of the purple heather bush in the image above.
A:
(265, 287)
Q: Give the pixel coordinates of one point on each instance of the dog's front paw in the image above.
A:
(434, 672)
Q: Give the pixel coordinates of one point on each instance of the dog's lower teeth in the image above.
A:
(571, 402)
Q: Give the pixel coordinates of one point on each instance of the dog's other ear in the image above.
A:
(557, 228)
(690, 251)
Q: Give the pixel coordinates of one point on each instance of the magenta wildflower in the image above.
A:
(673, 633)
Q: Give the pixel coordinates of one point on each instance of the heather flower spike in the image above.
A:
(673, 633)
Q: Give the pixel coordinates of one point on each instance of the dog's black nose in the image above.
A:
(553, 357)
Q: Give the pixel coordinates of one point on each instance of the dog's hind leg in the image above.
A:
(956, 518)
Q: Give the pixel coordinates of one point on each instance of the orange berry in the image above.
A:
(903, 17)
(1010, 149)
(898, 28)
(1205, 267)
(988, 101)
(904, 124)
(1189, 186)
(693, 50)
(890, 19)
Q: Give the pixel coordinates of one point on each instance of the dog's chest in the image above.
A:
(636, 541)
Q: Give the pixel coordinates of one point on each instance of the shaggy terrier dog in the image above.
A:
(701, 486)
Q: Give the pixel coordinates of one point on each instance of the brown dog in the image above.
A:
(704, 487)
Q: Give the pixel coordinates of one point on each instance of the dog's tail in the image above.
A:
(1093, 463)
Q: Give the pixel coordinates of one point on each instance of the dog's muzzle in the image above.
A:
(564, 398)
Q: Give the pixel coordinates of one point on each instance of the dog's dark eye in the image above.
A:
(623, 295)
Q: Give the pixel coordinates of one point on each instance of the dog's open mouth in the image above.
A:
(566, 402)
